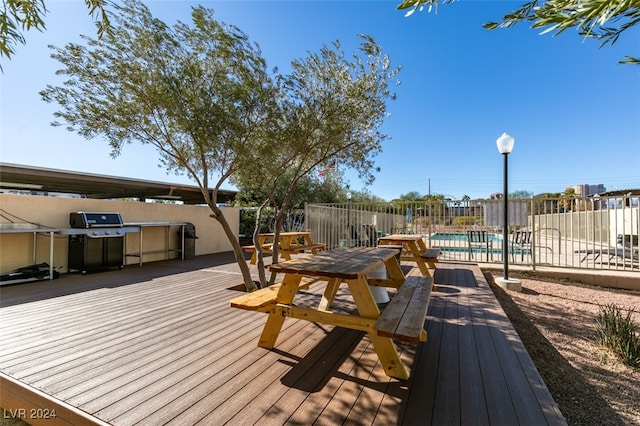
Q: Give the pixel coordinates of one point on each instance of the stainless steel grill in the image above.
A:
(96, 241)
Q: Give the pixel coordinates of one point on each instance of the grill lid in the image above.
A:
(95, 220)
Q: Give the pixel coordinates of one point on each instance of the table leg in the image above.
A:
(329, 294)
(140, 247)
(50, 255)
(262, 241)
(274, 322)
(384, 347)
(417, 255)
(389, 357)
(394, 271)
(285, 254)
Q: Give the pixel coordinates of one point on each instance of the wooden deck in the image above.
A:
(159, 344)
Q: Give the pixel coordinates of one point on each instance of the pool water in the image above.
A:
(515, 250)
(455, 236)
(456, 242)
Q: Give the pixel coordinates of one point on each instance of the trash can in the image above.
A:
(379, 294)
(189, 240)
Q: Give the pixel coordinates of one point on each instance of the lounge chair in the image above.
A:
(624, 250)
(520, 240)
(369, 236)
(622, 253)
(353, 236)
(479, 240)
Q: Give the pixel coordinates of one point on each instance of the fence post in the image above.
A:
(533, 237)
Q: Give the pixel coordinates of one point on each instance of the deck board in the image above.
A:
(447, 397)
(472, 403)
(159, 344)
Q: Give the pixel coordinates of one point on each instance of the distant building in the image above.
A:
(585, 190)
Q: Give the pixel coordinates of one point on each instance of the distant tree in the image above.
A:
(521, 194)
(20, 15)
(410, 196)
(199, 94)
(604, 20)
(567, 197)
(364, 196)
(435, 197)
(310, 189)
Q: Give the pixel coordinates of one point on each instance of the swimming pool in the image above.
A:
(456, 242)
(456, 236)
(448, 249)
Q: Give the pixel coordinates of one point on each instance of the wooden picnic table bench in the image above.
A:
(313, 248)
(261, 300)
(403, 318)
(406, 311)
(430, 255)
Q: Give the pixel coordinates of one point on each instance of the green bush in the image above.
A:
(618, 333)
(465, 220)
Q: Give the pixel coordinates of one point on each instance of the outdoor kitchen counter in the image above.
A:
(140, 226)
(111, 232)
(28, 228)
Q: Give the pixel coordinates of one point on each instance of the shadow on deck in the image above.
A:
(159, 344)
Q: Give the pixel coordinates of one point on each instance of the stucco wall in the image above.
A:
(16, 250)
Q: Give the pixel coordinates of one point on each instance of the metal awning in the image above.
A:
(38, 180)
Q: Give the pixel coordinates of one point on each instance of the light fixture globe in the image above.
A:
(505, 143)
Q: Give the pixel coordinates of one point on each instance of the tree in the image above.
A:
(410, 196)
(330, 111)
(363, 196)
(591, 18)
(199, 94)
(521, 194)
(310, 189)
(567, 197)
(202, 97)
(21, 15)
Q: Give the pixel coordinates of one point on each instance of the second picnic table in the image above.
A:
(413, 249)
(289, 243)
(402, 319)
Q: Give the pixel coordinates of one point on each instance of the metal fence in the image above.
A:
(594, 233)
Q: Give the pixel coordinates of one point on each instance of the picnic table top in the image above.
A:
(347, 263)
(402, 237)
(285, 234)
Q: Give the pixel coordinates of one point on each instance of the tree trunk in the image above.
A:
(237, 249)
(256, 231)
(278, 227)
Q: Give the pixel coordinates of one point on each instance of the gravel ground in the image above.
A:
(557, 323)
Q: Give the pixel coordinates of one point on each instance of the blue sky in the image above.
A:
(573, 110)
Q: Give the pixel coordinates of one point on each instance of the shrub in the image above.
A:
(465, 220)
(618, 333)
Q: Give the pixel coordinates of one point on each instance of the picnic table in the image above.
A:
(414, 250)
(289, 243)
(402, 319)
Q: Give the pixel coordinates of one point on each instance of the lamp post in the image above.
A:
(505, 146)
(349, 228)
